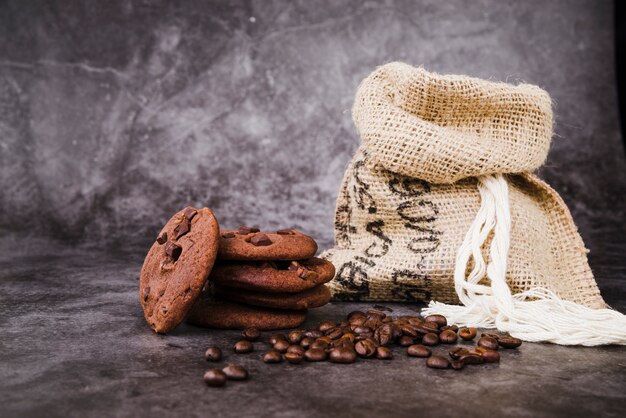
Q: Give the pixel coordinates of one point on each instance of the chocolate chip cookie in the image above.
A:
(274, 276)
(176, 267)
(247, 244)
(312, 298)
(213, 313)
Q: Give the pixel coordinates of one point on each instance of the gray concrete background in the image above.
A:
(115, 114)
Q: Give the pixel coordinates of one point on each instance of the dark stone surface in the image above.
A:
(115, 114)
(74, 343)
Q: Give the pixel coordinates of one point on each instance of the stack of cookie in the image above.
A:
(263, 280)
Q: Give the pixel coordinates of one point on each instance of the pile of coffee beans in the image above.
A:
(368, 335)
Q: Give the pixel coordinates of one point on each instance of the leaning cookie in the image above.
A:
(247, 244)
(213, 313)
(312, 298)
(176, 267)
(274, 277)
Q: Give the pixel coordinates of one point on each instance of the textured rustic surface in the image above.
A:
(113, 115)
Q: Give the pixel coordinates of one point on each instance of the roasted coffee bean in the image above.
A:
(428, 327)
(235, 372)
(357, 321)
(490, 356)
(146, 293)
(342, 355)
(355, 314)
(490, 335)
(448, 337)
(274, 338)
(383, 334)
(384, 353)
(251, 334)
(376, 312)
(452, 327)
(373, 322)
(345, 344)
(509, 342)
(313, 333)
(430, 339)
(294, 358)
(295, 349)
(325, 326)
(437, 362)
(315, 354)
(245, 230)
(182, 228)
(325, 339)
(365, 348)
(344, 324)
(409, 330)
(488, 342)
(281, 346)
(457, 352)
(285, 232)
(349, 336)
(405, 341)
(414, 320)
(387, 319)
(172, 250)
(243, 346)
(440, 320)
(295, 337)
(306, 342)
(467, 334)
(457, 364)
(260, 240)
(272, 356)
(213, 354)
(471, 357)
(228, 235)
(322, 345)
(363, 330)
(396, 332)
(162, 239)
(334, 333)
(418, 350)
(214, 377)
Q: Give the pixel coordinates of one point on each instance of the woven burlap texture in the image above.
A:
(409, 194)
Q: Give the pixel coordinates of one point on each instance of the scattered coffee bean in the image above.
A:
(315, 354)
(490, 335)
(384, 353)
(405, 341)
(261, 240)
(428, 327)
(306, 342)
(162, 239)
(383, 334)
(467, 334)
(365, 348)
(214, 377)
(295, 349)
(313, 333)
(251, 334)
(418, 350)
(243, 346)
(437, 362)
(295, 337)
(490, 356)
(326, 325)
(173, 251)
(488, 342)
(272, 356)
(182, 228)
(376, 312)
(457, 364)
(457, 352)
(440, 320)
(245, 230)
(452, 327)
(430, 339)
(213, 354)
(342, 355)
(448, 337)
(509, 342)
(294, 358)
(334, 333)
(409, 330)
(471, 357)
(281, 346)
(355, 314)
(235, 372)
(274, 338)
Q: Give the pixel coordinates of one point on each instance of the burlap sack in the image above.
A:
(409, 194)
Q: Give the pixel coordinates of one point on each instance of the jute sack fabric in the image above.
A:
(410, 194)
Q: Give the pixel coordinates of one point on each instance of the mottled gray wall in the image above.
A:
(114, 114)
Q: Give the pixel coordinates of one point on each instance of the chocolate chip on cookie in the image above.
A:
(228, 235)
(174, 273)
(285, 232)
(260, 240)
(245, 230)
